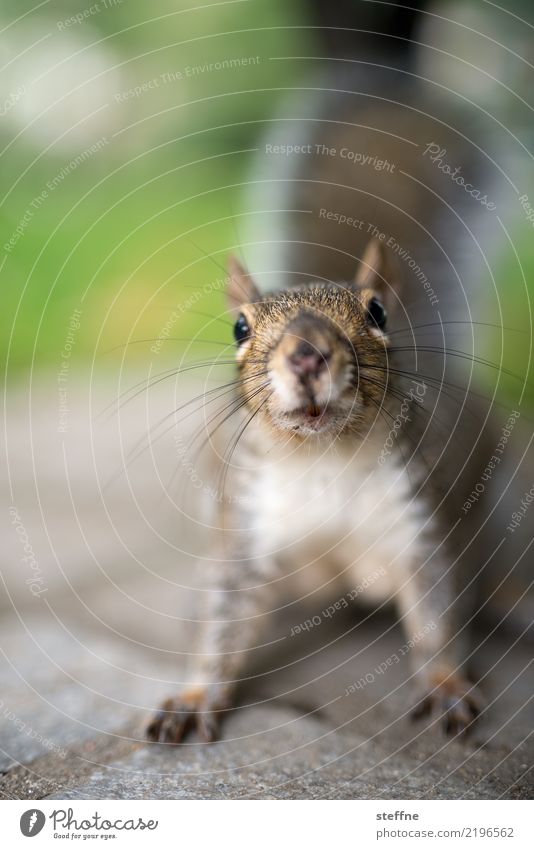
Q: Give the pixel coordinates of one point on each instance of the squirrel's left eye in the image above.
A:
(241, 329)
(376, 313)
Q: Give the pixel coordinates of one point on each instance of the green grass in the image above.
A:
(123, 236)
(109, 239)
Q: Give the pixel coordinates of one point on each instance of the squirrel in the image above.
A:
(357, 433)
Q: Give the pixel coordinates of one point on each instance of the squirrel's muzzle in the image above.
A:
(307, 360)
(309, 363)
(307, 345)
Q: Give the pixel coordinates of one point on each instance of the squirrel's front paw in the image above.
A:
(454, 699)
(199, 708)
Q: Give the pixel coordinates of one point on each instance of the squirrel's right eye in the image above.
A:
(241, 329)
(376, 314)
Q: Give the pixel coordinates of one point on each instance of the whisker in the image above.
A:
(381, 412)
(432, 418)
(427, 349)
(411, 327)
(214, 261)
(225, 387)
(159, 378)
(236, 233)
(211, 317)
(440, 385)
(236, 405)
(164, 375)
(208, 256)
(227, 457)
(151, 439)
(240, 402)
(183, 339)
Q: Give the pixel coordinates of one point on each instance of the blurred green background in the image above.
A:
(143, 166)
(125, 147)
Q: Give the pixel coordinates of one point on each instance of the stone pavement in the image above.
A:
(85, 660)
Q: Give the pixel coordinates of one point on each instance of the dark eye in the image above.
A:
(241, 329)
(376, 313)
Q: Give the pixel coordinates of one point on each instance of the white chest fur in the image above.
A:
(339, 511)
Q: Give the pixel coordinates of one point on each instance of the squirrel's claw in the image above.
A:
(455, 700)
(194, 710)
(170, 723)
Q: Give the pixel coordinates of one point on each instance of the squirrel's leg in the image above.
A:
(240, 594)
(436, 642)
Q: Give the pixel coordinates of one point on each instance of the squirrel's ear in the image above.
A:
(241, 289)
(374, 271)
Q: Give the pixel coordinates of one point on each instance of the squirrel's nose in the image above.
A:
(307, 361)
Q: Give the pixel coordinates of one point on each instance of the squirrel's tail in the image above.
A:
(356, 29)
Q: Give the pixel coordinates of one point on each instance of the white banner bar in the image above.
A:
(268, 824)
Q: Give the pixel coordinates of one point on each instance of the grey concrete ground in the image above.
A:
(105, 635)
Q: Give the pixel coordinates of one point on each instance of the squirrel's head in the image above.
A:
(313, 358)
